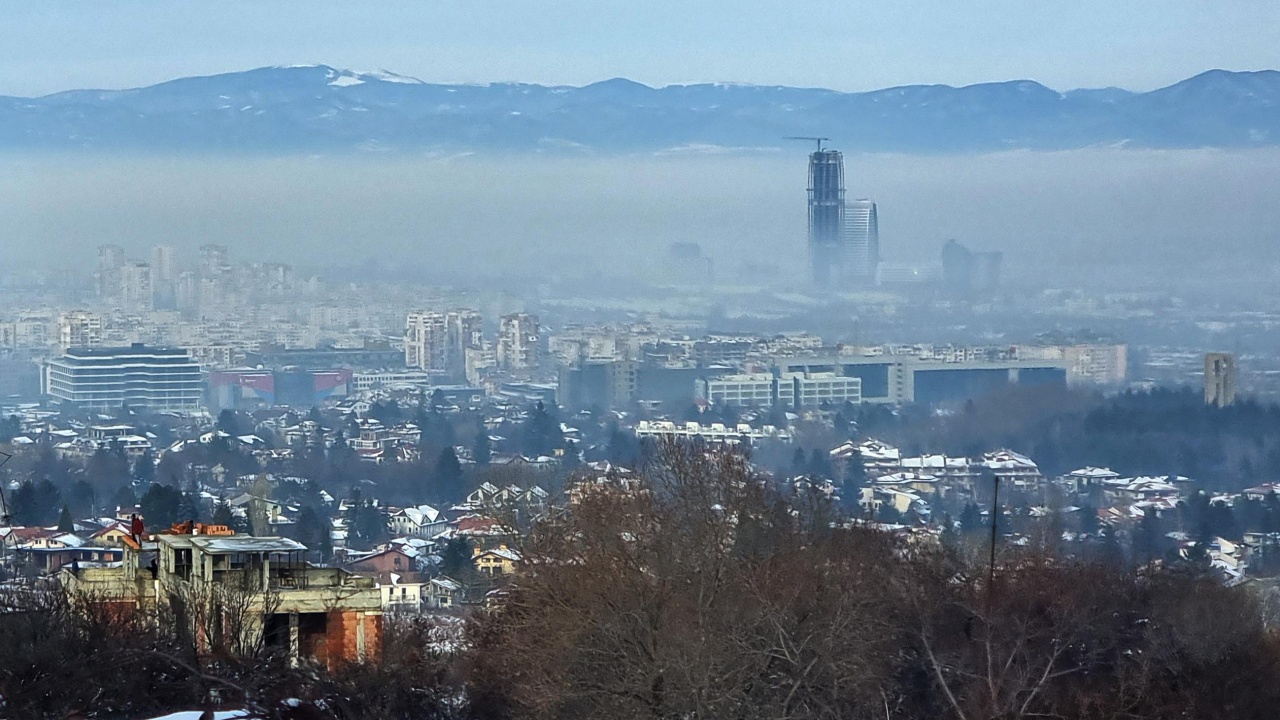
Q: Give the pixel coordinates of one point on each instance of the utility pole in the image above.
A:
(995, 521)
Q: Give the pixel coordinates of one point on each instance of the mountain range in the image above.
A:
(316, 108)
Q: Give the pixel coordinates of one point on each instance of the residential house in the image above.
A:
(422, 521)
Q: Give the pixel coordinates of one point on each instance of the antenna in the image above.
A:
(818, 140)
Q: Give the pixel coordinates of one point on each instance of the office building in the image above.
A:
(792, 390)
(861, 241)
(826, 216)
(519, 339)
(1219, 379)
(904, 379)
(747, 390)
(598, 383)
(138, 376)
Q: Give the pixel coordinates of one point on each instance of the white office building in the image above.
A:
(795, 390)
(139, 376)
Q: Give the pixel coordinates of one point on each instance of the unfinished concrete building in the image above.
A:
(244, 592)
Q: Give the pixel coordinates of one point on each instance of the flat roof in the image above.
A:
(136, 349)
(236, 544)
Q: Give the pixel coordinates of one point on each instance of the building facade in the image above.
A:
(1219, 379)
(826, 216)
(519, 338)
(138, 376)
(862, 241)
(439, 341)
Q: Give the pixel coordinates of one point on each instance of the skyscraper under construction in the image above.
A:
(826, 215)
(844, 240)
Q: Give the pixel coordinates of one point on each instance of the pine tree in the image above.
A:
(448, 477)
(482, 448)
(222, 514)
(65, 523)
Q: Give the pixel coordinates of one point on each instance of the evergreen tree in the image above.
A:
(124, 498)
(10, 428)
(1089, 523)
(188, 508)
(311, 530)
(799, 463)
(482, 448)
(819, 464)
(368, 525)
(23, 505)
(971, 519)
(162, 506)
(144, 468)
(65, 523)
(855, 473)
(222, 514)
(82, 499)
(455, 560)
(541, 434)
(840, 424)
(1148, 539)
(448, 477)
(572, 456)
(229, 423)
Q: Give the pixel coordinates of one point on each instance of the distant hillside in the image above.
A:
(323, 109)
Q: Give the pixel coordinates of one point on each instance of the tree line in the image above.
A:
(710, 592)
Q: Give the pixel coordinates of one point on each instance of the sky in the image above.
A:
(842, 44)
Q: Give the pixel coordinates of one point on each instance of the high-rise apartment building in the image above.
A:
(439, 341)
(138, 376)
(861, 242)
(135, 287)
(164, 277)
(968, 275)
(1219, 379)
(187, 293)
(110, 260)
(1086, 364)
(424, 340)
(79, 328)
(826, 216)
(163, 264)
(213, 258)
(519, 338)
(464, 331)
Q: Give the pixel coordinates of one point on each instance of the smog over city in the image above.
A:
(519, 361)
(1122, 217)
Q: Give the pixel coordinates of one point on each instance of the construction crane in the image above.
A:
(818, 140)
